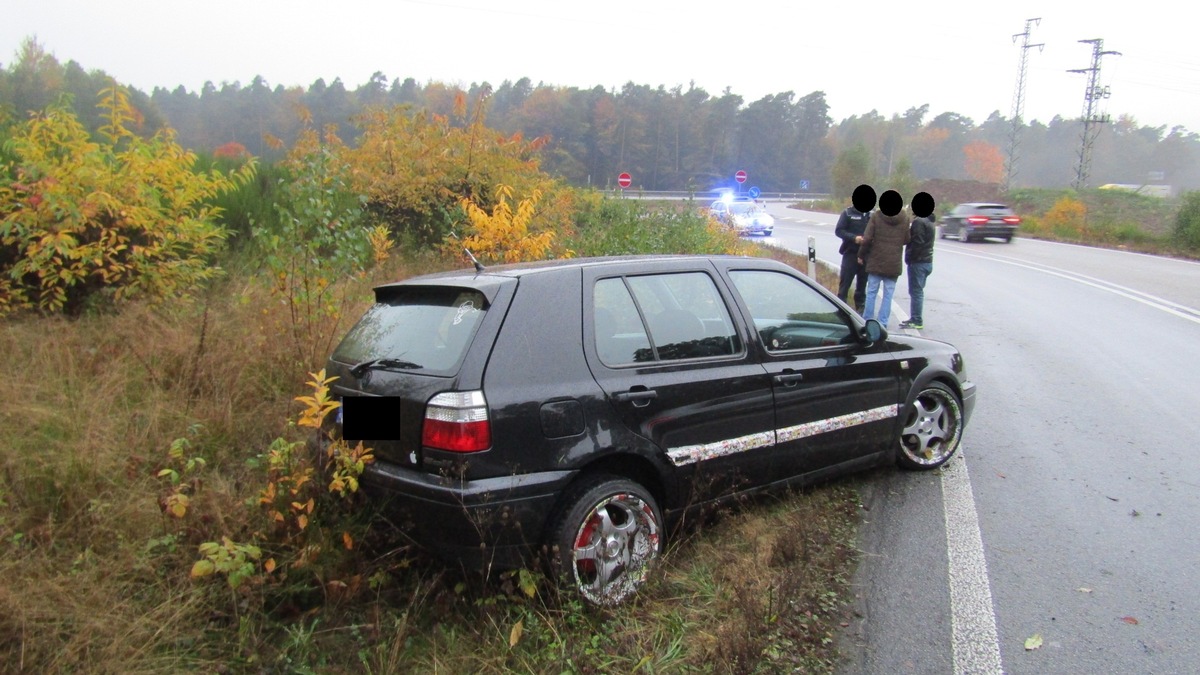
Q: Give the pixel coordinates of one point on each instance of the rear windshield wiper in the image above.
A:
(385, 363)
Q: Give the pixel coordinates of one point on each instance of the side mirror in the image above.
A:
(872, 332)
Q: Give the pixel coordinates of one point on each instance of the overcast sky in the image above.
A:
(867, 55)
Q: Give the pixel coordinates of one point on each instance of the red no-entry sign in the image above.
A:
(740, 176)
(624, 180)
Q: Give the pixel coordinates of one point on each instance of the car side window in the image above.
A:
(684, 318)
(788, 313)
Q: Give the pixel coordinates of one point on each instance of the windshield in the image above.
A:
(419, 328)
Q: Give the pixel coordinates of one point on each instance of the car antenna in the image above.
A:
(474, 261)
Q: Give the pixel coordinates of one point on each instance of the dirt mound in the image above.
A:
(948, 192)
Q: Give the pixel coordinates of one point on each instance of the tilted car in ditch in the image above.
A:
(572, 411)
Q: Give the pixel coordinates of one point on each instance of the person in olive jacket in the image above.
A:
(882, 250)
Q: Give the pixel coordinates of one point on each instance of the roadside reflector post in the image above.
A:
(812, 257)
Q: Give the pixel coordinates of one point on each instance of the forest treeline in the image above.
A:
(667, 139)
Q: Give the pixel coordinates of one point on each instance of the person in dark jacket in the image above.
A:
(851, 226)
(918, 256)
(882, 250)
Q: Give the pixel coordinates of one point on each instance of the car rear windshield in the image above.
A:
(994, 209)
(418, 328)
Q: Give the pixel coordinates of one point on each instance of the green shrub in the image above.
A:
(251, 204)
(321, 237)
(1127, 233)
(631, 226)
(1032, 226)
(1187, 221)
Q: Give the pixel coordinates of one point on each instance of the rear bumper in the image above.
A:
(493, 522)
(1005, 231)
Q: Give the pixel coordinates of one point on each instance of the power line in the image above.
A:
(1018, 109)
(1091, 120)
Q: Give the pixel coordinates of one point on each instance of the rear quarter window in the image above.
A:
(684, 313)
(427, 327)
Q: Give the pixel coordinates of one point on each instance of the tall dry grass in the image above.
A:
(95, 573)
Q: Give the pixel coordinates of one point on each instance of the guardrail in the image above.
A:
(710, 195)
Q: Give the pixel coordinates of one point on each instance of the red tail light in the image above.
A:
(457, 421)
(1012, 220)
(977, 220)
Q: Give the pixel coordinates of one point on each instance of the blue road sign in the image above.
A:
(803, 185)
(754, 192)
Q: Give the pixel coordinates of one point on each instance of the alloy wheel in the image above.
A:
(616, 540)
(932, 429)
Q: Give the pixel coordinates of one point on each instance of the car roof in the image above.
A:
(516, 270)
(984, 205)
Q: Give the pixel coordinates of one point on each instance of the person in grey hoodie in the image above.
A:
(882, 251)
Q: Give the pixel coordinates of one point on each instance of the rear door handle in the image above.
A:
(639, 397)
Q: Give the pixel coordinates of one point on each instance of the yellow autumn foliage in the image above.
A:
(506, 235)
(1068, 217)
(122, 217)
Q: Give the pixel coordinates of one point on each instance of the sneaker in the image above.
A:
(915, 325)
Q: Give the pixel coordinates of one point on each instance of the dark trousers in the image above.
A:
(853, 273)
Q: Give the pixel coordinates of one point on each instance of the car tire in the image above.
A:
(1008, 239)
(933, 426)
(943, 235)
(606, 538)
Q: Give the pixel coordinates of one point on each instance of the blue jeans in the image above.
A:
(885, 308)
(917, 274)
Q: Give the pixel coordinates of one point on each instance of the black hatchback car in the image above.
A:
(575, 409)
(979, 220)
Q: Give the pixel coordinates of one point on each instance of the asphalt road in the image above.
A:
(1072, 516)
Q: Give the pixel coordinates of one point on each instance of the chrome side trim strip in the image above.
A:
(836, 423)
(690, 454)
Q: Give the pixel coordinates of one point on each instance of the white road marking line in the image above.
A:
(1182, 311)
(975, 643)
